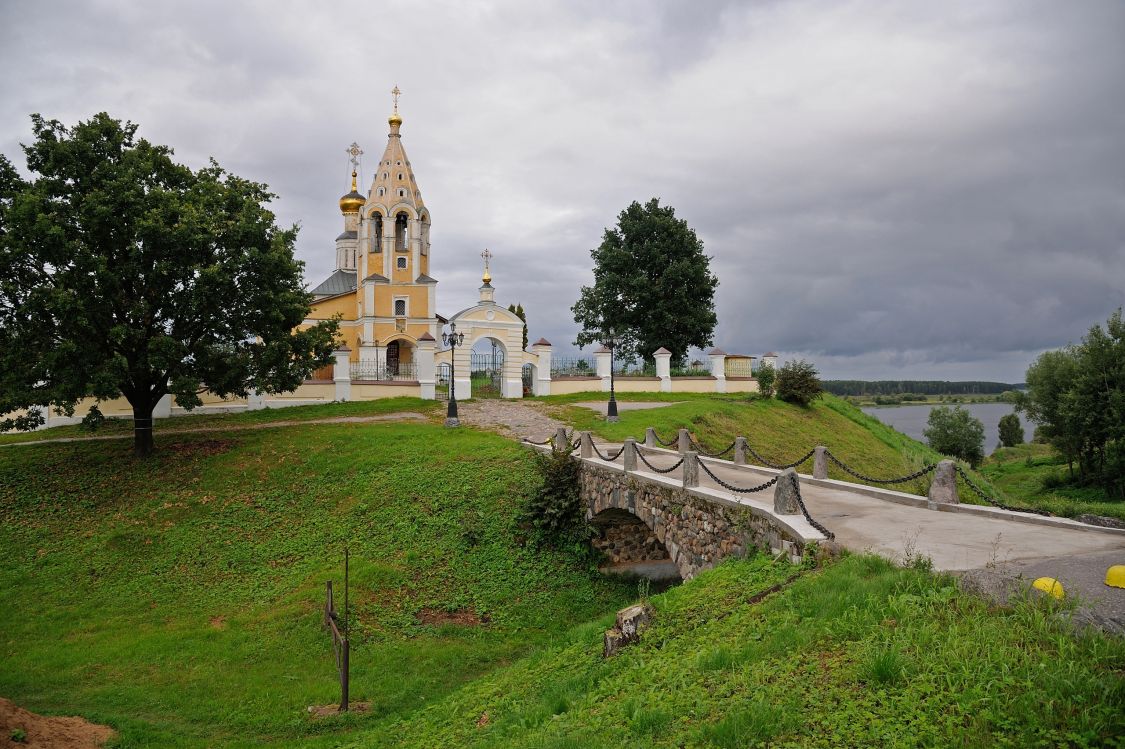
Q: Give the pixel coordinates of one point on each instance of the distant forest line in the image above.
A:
(921, 387)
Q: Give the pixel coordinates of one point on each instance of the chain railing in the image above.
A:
(862, 477)
(767, 463)
(701, 449)
(669, 469)
(610, 459)
(805, 511)
(659, 441)
(992, 500)
(737, 489)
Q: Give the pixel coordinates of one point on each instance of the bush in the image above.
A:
(554, 509)
(954, 431)
(1011, 431)
(766, 376)
(797, 382)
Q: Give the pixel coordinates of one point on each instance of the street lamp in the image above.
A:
(611, 341)
(452, 339)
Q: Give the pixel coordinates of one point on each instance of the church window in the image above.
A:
(381, 191)
(400, 175)
(401, 193)
(398, 163)
(377, 231)
(400, 307)
(384, 175)
(402, 263)
(400, 232)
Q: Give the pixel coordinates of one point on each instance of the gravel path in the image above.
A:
(509, 417)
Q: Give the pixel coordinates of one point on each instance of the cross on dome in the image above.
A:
(395, 93)
(487, 277)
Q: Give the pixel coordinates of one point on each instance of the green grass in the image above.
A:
(1023, 472)
(858, 654)
(244, 418)
(179, 599)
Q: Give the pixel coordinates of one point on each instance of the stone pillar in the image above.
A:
(163, 407)
(341, 373)
(785, 494)
(426, 366)
(630, 454)
(663, 359)
(718, 359)
(255, 401)
(587, 445)
(943, 488)
(602, 364)
(683, 441)
(820, 463)
(740, 451)
(542, 383)
(562, 444)
(691, 469)
(650, 437)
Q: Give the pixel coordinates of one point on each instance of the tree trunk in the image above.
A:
(142, 431)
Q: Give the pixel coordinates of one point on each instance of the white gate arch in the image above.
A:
(487, 319)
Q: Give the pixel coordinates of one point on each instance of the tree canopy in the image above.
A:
(123, 273)
(797, 382)
(955, 431)
(653, 286)
(1077, 396)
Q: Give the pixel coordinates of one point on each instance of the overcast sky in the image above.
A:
(892, 190)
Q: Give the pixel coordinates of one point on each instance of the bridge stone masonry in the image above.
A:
(652, 497)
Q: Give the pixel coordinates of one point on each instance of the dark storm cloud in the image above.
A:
(890, 189)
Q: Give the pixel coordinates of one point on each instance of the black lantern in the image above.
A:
(611, 341)
(452, 339)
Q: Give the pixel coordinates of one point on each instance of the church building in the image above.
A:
(381, 286)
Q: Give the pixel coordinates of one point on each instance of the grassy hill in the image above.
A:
(179, 600)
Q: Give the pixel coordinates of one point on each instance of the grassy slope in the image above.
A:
(779, 431)
(179, 599)
(859, 654)
(1020, 471)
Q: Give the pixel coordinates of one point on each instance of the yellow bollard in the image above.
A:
(1050, 586)
(1115, 576)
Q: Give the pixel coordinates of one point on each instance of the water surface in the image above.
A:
(911, 420)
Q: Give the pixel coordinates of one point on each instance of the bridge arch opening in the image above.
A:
(630, 547)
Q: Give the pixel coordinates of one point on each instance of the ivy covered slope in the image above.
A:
(179, 599)
(858, 654)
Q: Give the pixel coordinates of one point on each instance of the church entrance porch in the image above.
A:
(394, 362)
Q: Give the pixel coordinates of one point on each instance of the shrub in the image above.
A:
(554, 508)
(797, 382)
(954, 431)
(766, 377)
(1011, 431)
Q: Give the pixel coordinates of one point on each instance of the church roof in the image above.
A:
(340, 282)
(394, 184)
(423, 278)
(346, 235)
(377, 278)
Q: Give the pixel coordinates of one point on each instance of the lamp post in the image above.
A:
(452, 339)
(611, 342)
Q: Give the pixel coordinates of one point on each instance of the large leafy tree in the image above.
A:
(955, 431)
(123, 273)
(653, 286)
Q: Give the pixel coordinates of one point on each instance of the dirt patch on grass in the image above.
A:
(462, 617)
(326, 711)
(203, 448)
(41, 732)
(218, 622)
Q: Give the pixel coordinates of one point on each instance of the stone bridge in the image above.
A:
(651, 503)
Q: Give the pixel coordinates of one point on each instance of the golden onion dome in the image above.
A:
(395, 119)
(353, 201)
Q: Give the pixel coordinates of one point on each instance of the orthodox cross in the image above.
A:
(395, 93)
(487, 256)
(354, 152)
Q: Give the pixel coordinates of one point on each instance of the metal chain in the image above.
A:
(805, 511)
(994, 502)
(917, 474)
(699, 448)
(669, 443)
(544, 442)
(671, 468)
(732, 487)
(603, 457)
(574, 446)
(768, 464)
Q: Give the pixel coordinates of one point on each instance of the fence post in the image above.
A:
(820, 463)
(601, 364)
(561, 443)
(542, 384)
(691, 469)
(650, 437)
(683, 442)
(426, 366)
(718, 359)
(345, 652)
(630, 462)
(785, 493)
(663, 359)
(587, 445)
(341, 373)
(943, 489)
(740, 451)
(328, 605)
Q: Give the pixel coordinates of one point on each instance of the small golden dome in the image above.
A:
(395, 119)
(353, 201)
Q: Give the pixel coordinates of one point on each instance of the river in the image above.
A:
(911, 420)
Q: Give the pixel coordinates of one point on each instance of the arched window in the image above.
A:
(400, 232)
(377, 231)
